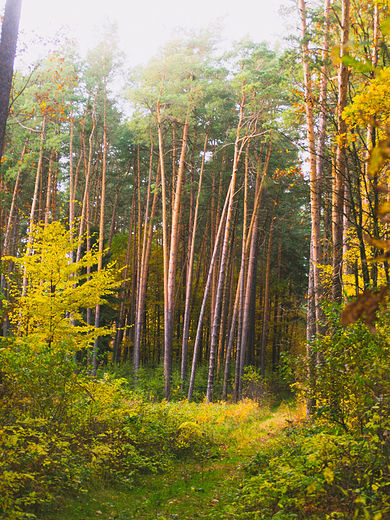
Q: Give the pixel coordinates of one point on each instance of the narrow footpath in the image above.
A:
(190, 490)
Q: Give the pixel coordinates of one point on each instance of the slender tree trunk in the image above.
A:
(13, 203)
(34, 201)
(49, 188)
(172, 266)
(199, 330)
(242, 283)
(146, 253)
(229, 348)
(315, 193)
(276, 338)
(101, 223)
(320, 160)
(190, 264)
(87, 172)
(340, 169)
(238, 147)
(266, 293)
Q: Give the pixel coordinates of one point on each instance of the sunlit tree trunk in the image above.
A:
(121, 313)
(87, 173)
(101, 223)
(34, 200)
(190, 263)
(49, 188)
(315, 193)
(172, 266)
(144, 267)
(320, 160)
(251, 275)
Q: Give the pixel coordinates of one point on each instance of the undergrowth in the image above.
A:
(61, 430)
(338, 464)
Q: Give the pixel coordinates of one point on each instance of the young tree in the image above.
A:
(49, 311)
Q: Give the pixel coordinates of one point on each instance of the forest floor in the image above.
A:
(190, 489)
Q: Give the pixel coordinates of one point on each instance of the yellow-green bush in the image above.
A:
(59, 428)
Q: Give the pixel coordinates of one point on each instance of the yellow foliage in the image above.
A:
(58, 289)
(372, 102)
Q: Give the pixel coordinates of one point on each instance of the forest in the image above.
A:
(187, 247)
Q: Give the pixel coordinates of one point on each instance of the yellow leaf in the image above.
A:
(328, 475)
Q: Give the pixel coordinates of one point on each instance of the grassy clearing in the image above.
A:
(189, 488)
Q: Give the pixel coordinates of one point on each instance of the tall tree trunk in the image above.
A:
(121, 313)
(172, 266)
(101, 223)
(87, 173)
(13, 203)
(34, 201)
(320, 160)
(9, 36)
(315, 193)
(190, 264)
(266, 292)
(48, 209)
(199, 330)
(238, 148)
(145, 260)
(340, 167)
(242, 281)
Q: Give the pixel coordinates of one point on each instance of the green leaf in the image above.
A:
(357, 65)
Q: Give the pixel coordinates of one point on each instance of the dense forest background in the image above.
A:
(232, 191)
(183, 244)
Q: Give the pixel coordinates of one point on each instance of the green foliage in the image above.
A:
(337, 467)
(352, 383)
(60, 428)
(317, 473)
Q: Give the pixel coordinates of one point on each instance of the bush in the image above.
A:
(59, 428)
(313, 472)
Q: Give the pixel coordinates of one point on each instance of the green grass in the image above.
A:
(190, 488)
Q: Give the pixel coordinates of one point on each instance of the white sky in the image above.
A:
(145, 25)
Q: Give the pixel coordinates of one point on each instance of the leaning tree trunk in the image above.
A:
(199, 330)
(238, 147)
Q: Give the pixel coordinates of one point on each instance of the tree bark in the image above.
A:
(315, 190)
(199, 330)
(238, 147)
(340, 167)
(9, 36)
(266, 292)
(190, 263)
